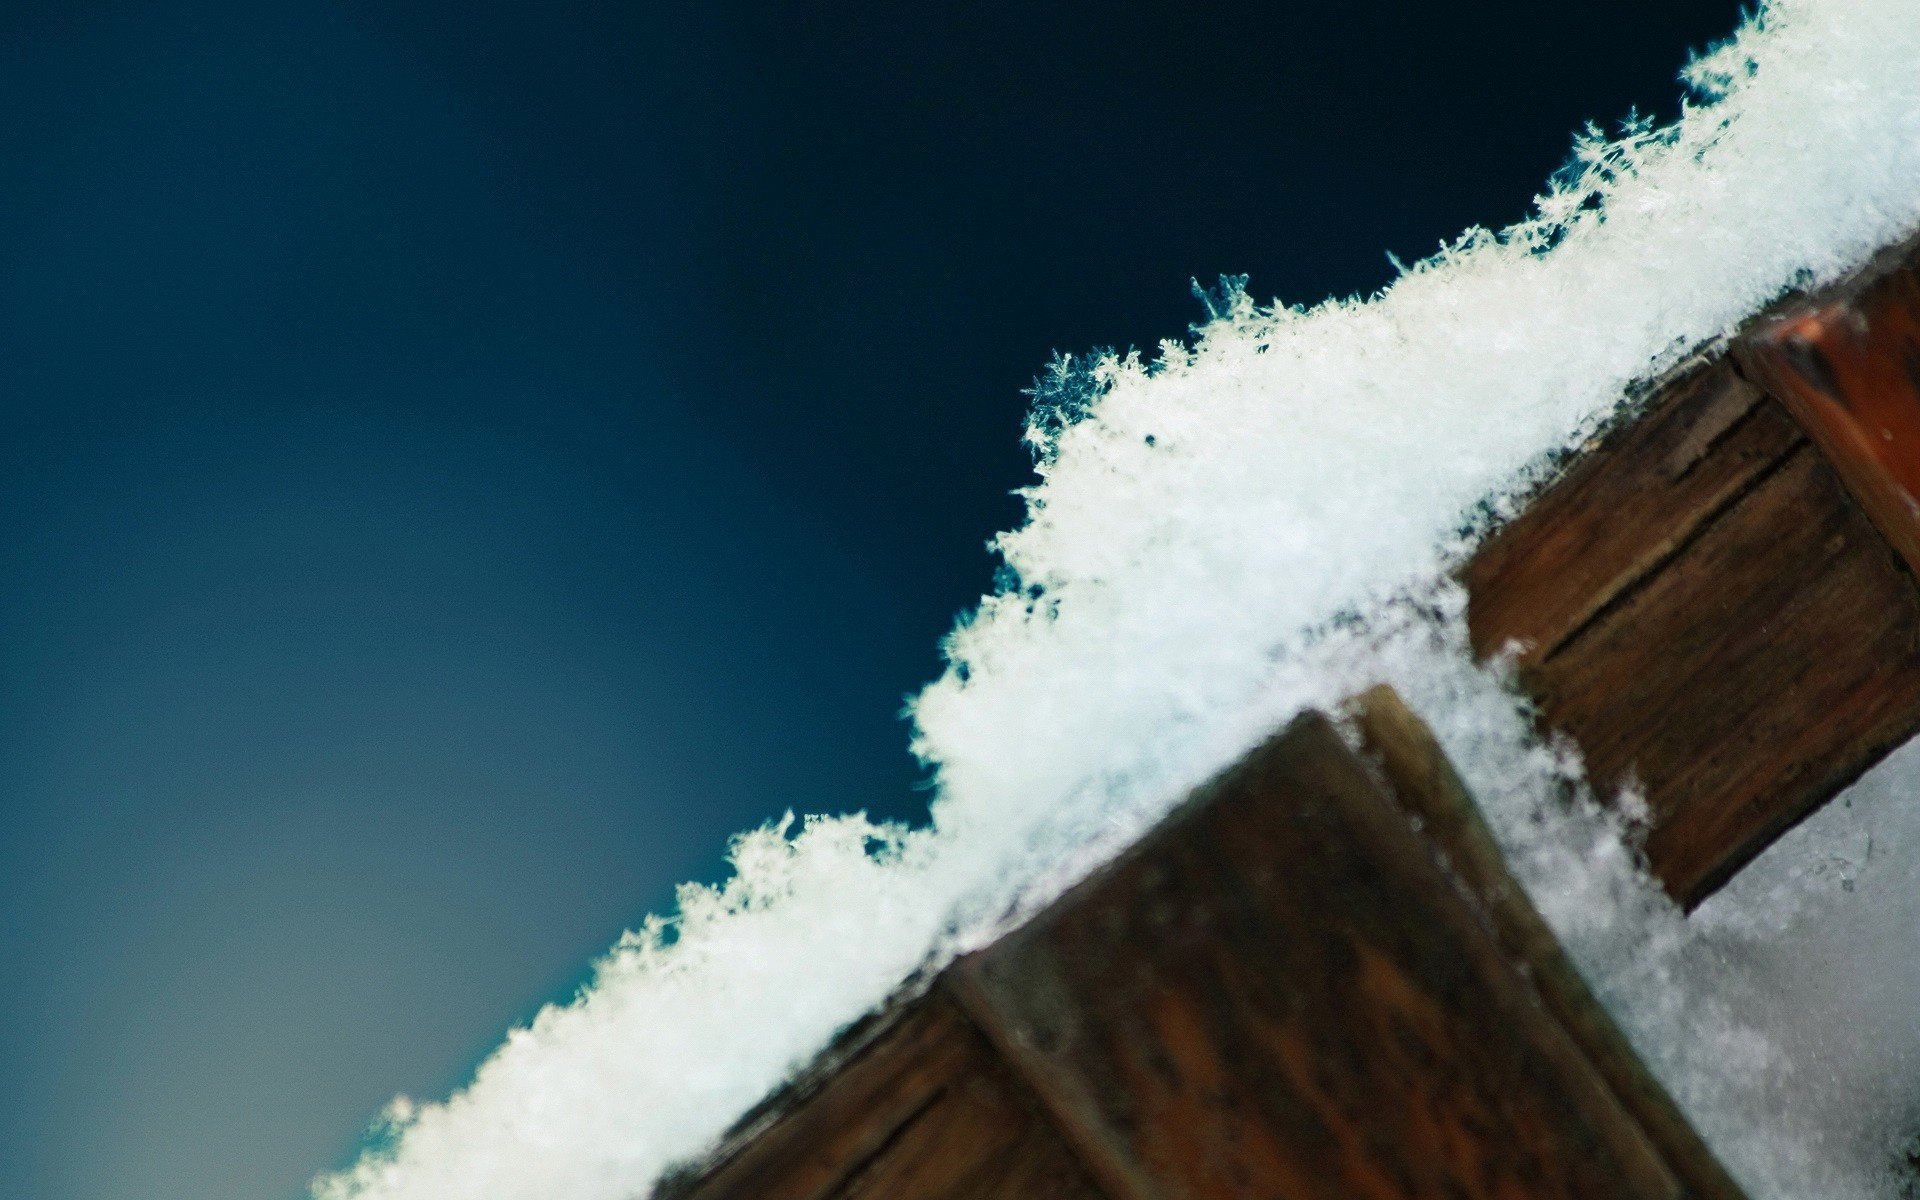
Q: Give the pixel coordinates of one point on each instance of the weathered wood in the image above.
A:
(1426, 785)
(1701, 605)
(1315, 980)
(1622, 511)
(1847, 366)
(921, 1109)
(1281, 993)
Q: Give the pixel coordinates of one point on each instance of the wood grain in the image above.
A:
(1847, 366)
(1622, 511)
(1317, 979)
(1427, 787)
(921, 1109)
(1281, 993)
(1700, 603)
(1747, 680)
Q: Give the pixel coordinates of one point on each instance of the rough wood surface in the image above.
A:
(1847, 366)
(1748, 680)
(1317, 979)
(923, 1110)
(1314, 980)
(1281, 993)
(1703, 607)
(1622, 511)
(1426, 785)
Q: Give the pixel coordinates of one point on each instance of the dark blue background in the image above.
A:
(458, 462)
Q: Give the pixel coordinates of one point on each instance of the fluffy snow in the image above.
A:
(1251, 523)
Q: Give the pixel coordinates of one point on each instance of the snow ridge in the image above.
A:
(1242, 525)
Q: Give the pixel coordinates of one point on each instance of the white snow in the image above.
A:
(1205, 523)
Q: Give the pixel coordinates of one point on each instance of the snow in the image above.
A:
(1251, 523)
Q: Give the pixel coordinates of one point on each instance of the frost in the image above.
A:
(1244, 525)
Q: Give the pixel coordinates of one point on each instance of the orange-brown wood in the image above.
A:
(1750, 679)
(1701, 605)
(1621, 511)
(1847, 366)
(1282, 993)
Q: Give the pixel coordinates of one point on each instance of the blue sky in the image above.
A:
(460, 462)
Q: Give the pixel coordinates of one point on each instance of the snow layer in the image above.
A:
(1240, 527)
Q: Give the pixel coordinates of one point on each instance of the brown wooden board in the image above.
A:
(1703, 607)
(1428, 788)
(1847, 366)
(1281, 993)
(1316, 979)
(921, 1109)
(1622, 511)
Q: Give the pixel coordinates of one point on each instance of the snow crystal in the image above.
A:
(1241, 526)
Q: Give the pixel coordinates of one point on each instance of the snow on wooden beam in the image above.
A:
(1432, 794)
(1317, 979)
(1719, 608)
(1290, 988)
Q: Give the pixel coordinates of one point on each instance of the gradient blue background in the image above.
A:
(458, 462)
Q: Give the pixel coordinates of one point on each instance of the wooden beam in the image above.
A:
(1314, 980)
(1847, 366)
(1428, 788)
(1702, 606)
(1621, 511)
(916, 1107)
(1281, 992)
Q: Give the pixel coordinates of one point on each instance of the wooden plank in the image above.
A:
(1280, 992)
(1622, 511)
(919, 1109)
(1749, 679)
(1847, 366)
(1700, 604)
(1425, 784)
